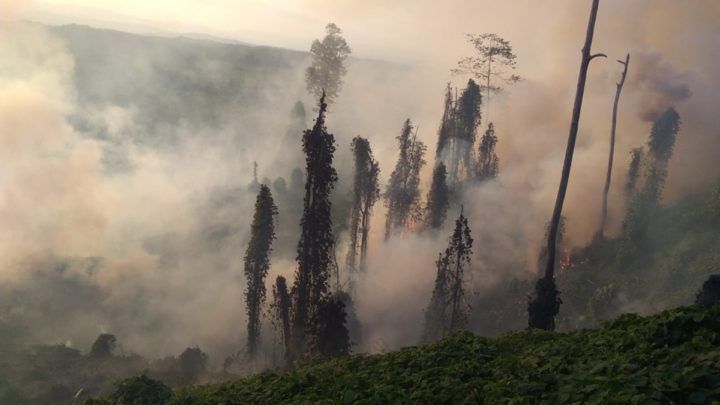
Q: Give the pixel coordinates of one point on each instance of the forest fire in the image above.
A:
(251, 189)
(571, 258)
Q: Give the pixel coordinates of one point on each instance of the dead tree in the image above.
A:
(606, 190)
(545, 303)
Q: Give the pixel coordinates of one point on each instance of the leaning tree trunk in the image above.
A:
(545, 304)
(603, 218)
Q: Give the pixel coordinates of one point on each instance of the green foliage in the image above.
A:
(257, 263)
(672, 357)
(280, 310)
(138, 390)
(448, 309)
(104, 346)
(193, 363)
(660, 147)
(493, 63)
(544, 304)
(468, 112)
(324, 75)
(333, 336)
(316, 245)
(636, 158)
(709, 294)
(661, 264)
(601, 304)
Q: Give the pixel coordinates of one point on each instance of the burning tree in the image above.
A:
(545, 303)
(402, 193)
(559, 248)
(257, 263)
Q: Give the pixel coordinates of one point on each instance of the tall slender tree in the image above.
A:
(493, 64)
(281, 310)
(315, 248)
(660, 148)
(438, 198)
(402, 194)
(448, 309)
(468, 118)
(545, 303)
(257, 263)
(611, 155)
(458, 131)
(436, 313)
(461, 248)
(488, 165)
(642, 201)
(366, 192)
(325, 75)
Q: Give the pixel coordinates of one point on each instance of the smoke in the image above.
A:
(119, 216)
(9, 9)
(661, 84)
(103, 233)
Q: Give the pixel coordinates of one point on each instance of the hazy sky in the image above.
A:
(675, 48)
(429, 30)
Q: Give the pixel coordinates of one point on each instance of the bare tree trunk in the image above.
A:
(606, 190)
(543, 308)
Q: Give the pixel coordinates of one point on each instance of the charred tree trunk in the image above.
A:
(606, 190)
(545, 304)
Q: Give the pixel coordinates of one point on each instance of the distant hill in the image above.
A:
(189, 82)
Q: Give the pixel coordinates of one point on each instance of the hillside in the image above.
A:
(670, 357)
(678, 250)
(172, 82)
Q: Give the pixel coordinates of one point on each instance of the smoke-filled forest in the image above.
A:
(359, 202)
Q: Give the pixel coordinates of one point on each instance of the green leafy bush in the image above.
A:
(138, 390)
(672, 357)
